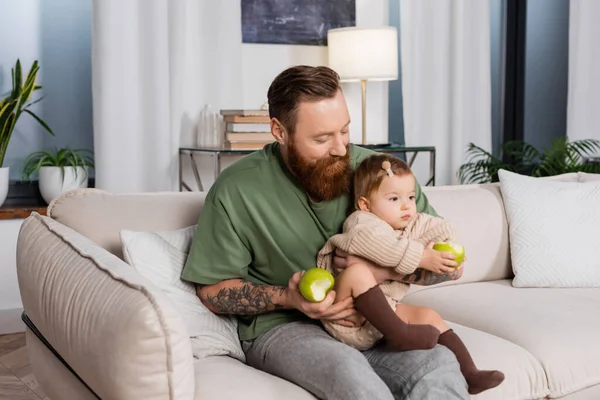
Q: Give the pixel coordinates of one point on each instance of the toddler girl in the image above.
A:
(387, 230)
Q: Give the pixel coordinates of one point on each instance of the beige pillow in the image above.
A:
(160, 257)
(585, 177)
(553, 230)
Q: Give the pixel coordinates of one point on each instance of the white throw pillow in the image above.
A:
(160, 257)
(554, 228)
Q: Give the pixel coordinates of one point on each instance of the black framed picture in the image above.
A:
(302, 22)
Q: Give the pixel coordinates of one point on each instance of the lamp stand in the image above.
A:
(363, 85)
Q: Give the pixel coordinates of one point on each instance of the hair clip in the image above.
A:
(387, 166)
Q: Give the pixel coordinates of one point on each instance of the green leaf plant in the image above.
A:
(561, 158)
(65, 157)
(16, 102)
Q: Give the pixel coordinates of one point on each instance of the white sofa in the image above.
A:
(121, 336)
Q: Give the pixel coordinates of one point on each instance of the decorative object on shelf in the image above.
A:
(304, 22)
(209, 128)
(246, 129)
(59, 171)
(11, 108)
(364, 54)
(525, 159)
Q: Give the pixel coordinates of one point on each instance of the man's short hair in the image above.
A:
(297, 84)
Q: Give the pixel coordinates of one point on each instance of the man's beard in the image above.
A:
(323, 180)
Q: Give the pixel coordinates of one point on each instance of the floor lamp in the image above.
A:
(361, 55)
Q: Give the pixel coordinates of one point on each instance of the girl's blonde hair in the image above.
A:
(370, 173)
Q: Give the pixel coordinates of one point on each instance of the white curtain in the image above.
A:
(583, 109)
(446, 83)
(155, 64)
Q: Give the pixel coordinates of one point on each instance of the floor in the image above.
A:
(16, 379)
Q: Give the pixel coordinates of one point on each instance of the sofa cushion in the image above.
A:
(586, 177)
(558, 327)
(475, 209)
(160, 257)
(525, 377)
(111, 325)
(553, 231)
(222, 377)
(100, 215)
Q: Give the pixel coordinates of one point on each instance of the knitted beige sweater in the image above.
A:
(368, 236)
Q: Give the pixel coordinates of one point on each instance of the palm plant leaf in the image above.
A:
(590, 168)
(480, 166)
(522, 154)
(562, 157)
(584, 147)
(565, 156)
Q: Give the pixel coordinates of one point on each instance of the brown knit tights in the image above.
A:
(477, 380)
(399, 335)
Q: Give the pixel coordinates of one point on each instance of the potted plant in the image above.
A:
(59, 171)
(12, 106)
(563, 157)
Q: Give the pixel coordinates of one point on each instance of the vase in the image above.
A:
(52, 183)
(4, 178)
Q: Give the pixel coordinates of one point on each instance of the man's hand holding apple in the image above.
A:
(323, 310)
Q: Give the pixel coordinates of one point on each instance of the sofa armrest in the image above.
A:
(111, 325)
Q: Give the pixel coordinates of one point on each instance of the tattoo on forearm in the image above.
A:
(246, 299)
(425, 278)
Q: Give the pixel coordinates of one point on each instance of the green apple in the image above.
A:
(315, 284)
(454, 248)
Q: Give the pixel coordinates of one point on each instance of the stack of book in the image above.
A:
(246, 129)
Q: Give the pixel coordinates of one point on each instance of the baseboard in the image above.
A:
(10, 321)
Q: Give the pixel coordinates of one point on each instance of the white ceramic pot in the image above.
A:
(4, 175)
(53, 185)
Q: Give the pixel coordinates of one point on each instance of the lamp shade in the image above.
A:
(364, 53)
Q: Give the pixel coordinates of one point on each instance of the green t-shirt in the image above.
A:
(258, 224)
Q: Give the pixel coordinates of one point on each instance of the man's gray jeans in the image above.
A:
(303, 353)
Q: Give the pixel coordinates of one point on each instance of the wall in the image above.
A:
(20, 23)
(10, 298)
(57, 33)
(546, 71)
(260, 63)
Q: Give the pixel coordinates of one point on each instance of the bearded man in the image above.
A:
(264, 221)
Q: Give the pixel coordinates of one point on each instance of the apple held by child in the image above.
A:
(315, 284)
(454, 248)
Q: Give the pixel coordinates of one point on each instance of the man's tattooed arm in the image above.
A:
(240, 297)
(426, 278)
